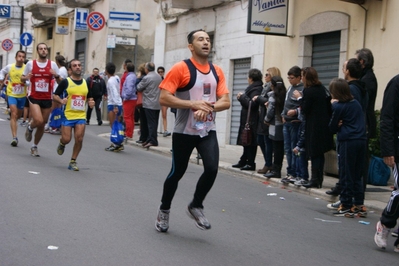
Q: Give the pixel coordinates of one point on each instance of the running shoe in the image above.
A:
(344, 212)
(120, 147)
(60, 149)
(162, 222)
(14, 142)
(34, 152)
(334, 206)
(381, 235)
(167, 133)
(197, 214)
(395, 233)
(73, 166)
(23, 123)
(114, 148)
(28, 133)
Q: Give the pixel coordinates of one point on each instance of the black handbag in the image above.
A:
(246, 133)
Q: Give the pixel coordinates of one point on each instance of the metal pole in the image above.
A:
(21, 30)
(135, 52)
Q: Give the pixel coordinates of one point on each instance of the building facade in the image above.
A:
(321, 33)
(12, 28)
(106, 40)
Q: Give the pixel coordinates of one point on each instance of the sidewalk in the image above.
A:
(376, 197)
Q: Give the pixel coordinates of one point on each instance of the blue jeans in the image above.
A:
(266, 146)
(290, 131)
(302, 163)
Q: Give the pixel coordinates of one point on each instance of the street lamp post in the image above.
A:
(21, 29)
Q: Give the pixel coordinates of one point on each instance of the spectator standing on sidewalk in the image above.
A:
(273, 117)
(129, 98)
(114, 101)
(164, 109)
(291, 125)
(366, 58)
(389, 128)
(98, 89)
(247, 159)
(264, 142)
(184, 88)
(139, 113)
(149, 85)
(348, 122)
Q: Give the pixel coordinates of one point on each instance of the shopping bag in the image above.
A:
(379, 172)
(139, 102)
(56, 118)
(3, 92)
(117, 133)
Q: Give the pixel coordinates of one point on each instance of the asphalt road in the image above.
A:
(105, 213)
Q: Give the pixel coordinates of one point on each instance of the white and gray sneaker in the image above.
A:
(197, 214)
(34, 152)
(381, 235)
(334, 206)
(301, 182)
(162, 222)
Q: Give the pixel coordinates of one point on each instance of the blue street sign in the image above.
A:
(81, 19)
(114, 15)
(5, 11)
(26, 39)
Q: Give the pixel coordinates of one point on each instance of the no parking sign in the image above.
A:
(7, 45)
(95, 21)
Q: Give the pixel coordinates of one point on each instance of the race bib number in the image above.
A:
(42, 85)
(78, 102)
(18, 88)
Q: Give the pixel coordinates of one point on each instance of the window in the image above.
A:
(49, 33)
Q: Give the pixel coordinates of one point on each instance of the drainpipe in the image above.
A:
(365, 24)
(291, 19)
(383, 14)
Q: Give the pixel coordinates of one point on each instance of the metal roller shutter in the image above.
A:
(240, 83)
(325, 57)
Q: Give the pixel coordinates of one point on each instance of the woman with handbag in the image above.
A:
(249, 120)
(275, 106)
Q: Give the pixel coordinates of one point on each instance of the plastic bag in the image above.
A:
(379, 172)
(56, 118)
(117, 133)
(3, 92)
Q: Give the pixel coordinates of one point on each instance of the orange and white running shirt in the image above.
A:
(207, 87)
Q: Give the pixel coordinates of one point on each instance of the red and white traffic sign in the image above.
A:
(95, 21)
(7, 45)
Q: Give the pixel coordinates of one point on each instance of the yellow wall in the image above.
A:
(283, 51)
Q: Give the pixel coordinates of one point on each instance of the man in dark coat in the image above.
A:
(98, 89)
(247, 160)
(366, 58)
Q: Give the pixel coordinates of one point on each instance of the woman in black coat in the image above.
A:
(316, 107)
(247, 160)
